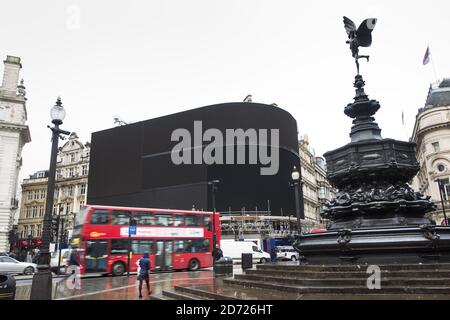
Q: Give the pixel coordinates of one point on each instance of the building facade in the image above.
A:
(70, 190)
(14, 134)
(316, 188)
(431, 133)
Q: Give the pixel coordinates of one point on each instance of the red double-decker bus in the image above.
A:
(174, 239)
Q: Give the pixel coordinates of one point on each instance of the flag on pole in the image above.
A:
(403, 118)
(426, 58)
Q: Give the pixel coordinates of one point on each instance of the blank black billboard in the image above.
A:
(132, 165)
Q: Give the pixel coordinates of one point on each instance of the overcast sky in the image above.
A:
(144, 59)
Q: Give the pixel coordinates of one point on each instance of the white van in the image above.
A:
(64, 262)
(235, 249)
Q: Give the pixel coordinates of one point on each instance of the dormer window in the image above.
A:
(436, 146)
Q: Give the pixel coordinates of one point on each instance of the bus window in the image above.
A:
(165, 220)
(119, 246)
(142, 246)
(100, 217)
(207, 222)
(80, 217)
(179, 246)
(121, 218)
(144, 218)
(193, 220)
(178, 220)
(192, 246)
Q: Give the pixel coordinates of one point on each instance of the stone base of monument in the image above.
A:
(426, 244)
(397, 281)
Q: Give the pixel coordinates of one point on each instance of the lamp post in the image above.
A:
(214, 188)
(41, 287)
(442, 194)
(296, 178)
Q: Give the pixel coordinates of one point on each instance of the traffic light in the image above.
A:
(55, 225)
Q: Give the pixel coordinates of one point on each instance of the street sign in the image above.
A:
(132, 230)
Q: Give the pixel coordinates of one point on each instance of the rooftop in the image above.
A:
(438, 95)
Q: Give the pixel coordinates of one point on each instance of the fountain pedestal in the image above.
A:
(376, 217)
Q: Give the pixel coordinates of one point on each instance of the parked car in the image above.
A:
(286, 253)
(10, 265)
(235, 249)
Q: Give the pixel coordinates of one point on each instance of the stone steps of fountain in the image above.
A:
(385, 282)
(287, 267)
(351, 274)
(341, 290)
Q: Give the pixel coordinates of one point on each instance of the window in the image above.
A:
(120, 217)
(32, 230)
(178, 220)
(71, 172)
(193, 220)
(70, 191)
(191, 246)
(72, 157)
(322, 192)
(42, 194)
(56, 193)
(30, 195)
(441, 167)
(436, 147)
(100, 217)
(119, 246)
(28, 212)
(68, 208)
(84, 170)
(7, 260)
(81, 204)
(59, 174)
(163, 219)
(83, 188)
(26, 231)
(36, 194)
(446, 184)
(41, 211)
(207, 222)
(38, 230)
(34, 211)
(144, 218)
(142, 246)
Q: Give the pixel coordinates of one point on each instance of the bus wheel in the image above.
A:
(118, 269)
(194, 265)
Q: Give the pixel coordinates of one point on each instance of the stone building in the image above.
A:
(14, 134)
(316, 188)
(431, 133)
(70, 190)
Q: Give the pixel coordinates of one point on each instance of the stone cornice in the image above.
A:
(24, 130)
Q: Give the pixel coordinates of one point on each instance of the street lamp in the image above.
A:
(442, 194)
(41, 287)
(296, 178)
(214, 188)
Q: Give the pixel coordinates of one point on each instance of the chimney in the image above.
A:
(11, 74)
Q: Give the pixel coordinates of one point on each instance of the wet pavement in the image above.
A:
(122, 288)
(96, 287)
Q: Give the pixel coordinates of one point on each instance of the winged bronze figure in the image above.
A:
(361, 37)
